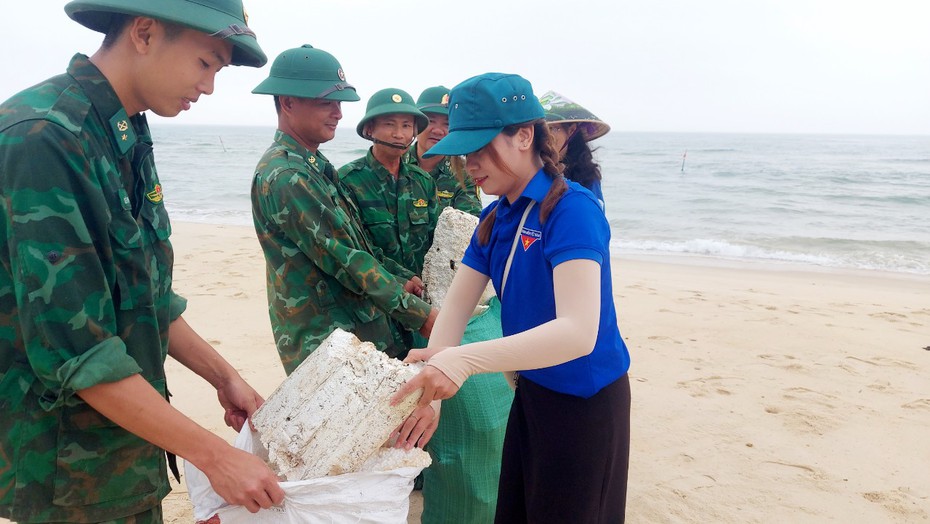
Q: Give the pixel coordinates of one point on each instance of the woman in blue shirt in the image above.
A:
(545, 246)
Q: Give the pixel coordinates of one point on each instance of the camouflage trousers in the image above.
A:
(152, 516)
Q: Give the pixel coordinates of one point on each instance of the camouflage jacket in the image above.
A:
(322, 271)
(463, 195)
(85, 298)
(399, 215)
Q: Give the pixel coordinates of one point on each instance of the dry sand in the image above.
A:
(760, 394)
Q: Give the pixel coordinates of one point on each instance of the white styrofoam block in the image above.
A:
(333, 412)
(450, 239)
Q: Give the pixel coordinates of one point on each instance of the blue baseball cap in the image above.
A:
(482, 106)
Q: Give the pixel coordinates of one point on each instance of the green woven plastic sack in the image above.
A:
(461, 484)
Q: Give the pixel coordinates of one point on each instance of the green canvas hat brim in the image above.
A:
(96, 15)
(420, 119)
(306, 89)
(463, 142)
(436, 109)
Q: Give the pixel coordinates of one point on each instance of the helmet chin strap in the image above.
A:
(390, 144)
(568, 139)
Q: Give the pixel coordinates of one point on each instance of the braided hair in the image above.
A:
(542, 146)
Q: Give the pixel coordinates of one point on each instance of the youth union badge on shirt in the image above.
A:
(529, 237)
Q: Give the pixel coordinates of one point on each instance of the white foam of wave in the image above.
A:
(734, 252)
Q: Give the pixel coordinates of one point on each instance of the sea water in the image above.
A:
(842, 201)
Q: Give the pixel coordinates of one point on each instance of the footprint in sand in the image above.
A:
(921, 403)
(883, 386)
(886, 362)
(783, 362)
(704, 386)
(806, 411)
(890, 316)
(696, 296)
(809, 423)
(900, 502)
(662, 338)
(809, 396)
(641, 287)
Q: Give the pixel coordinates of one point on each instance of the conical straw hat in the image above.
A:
(562, 110)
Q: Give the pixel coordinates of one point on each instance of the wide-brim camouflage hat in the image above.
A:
(481, 107)
(307, 72)
(434, 100)
(561, 110)
(225, 19)
(391, 101)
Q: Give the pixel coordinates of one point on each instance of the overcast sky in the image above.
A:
(782, 66)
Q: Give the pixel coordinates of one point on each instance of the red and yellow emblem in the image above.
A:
(420, 203)
(155, 195)
(528, 237)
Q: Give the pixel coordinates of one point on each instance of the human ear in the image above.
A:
(140, 32)
(525, 137)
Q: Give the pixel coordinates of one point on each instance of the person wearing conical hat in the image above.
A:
(398, 202)
(86, 268)
(572, 127)
(454, 188)
(545, 245)
(318, 254)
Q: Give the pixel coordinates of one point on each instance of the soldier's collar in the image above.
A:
(105, 102)
(410, 157)
(314, 160)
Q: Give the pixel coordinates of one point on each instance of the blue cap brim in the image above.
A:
(462, 142)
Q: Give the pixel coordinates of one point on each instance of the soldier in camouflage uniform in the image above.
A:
(322, 271)
(87, 311)
(397, 200)
(457, 191)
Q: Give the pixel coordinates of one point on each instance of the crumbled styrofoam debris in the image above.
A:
(453, 233)
(386, 459)
(333, 411)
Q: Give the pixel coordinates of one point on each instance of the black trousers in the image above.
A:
(565, 458)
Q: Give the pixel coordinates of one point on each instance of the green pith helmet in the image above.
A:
(307, 72)
(220, 18)
(391, 101)
(561, 110)
(434, 100)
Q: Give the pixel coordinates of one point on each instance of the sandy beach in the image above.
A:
(766, 394)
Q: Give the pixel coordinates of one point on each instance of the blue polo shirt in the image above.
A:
(575, 229)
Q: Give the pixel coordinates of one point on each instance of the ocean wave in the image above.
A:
(892, 259)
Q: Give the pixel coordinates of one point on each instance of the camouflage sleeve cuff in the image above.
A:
(105, 362)
(178, 306)
(412, 311)
(400, 272)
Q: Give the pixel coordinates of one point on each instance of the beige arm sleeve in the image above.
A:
(570, 335)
